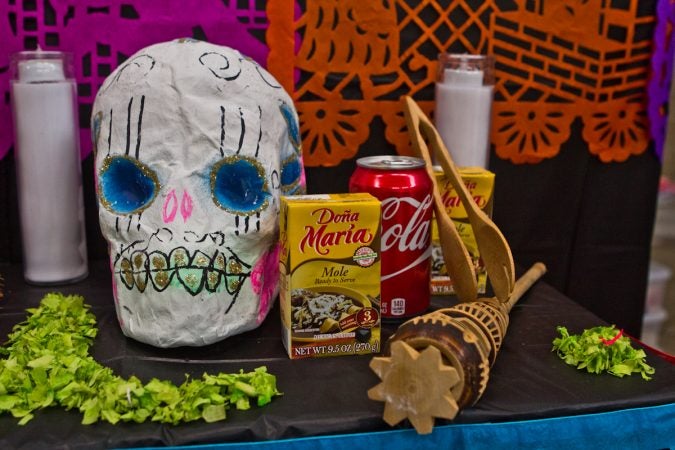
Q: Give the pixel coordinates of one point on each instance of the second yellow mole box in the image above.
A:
(480, 184)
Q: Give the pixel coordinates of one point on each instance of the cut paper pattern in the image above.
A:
(101, 34)
(592, 55)
(347, 63)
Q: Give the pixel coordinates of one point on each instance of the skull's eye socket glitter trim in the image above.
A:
(290, 174)
(238, 185)
(126, 185)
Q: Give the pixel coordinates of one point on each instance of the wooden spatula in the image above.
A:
(455, 255)
(492, 245)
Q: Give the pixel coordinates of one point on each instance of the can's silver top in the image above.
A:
(390, 162)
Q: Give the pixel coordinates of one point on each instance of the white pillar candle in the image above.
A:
(47, 154)
(463, 107)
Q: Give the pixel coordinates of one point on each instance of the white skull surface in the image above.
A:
(194, 145)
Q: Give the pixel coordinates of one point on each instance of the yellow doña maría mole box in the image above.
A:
(330, 274)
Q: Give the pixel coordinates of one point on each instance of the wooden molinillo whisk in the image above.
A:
(440, 362)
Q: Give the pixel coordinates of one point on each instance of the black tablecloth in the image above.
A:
(325, 395)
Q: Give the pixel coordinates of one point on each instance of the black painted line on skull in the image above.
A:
(222, 130)
(140, 126)
(218, 234)
(219, 69)
(125, 67)
(242, 135)
(275, 179)
(217, 237)
(274, 86)
(198, 241)
(131, 101)
(243, 131)
(154, 235)
(110, 131)
(257, 147)
(235, 296)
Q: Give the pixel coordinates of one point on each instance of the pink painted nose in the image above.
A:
(172, 206)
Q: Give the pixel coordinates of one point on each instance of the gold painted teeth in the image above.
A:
(213, 279)
(157, 262)
(127, 273)
(213, 271)
(234, 266)
(139, 261)
(161, 279)
(233, 284)
(219, 261)
(201, 260)
(158, 266)
(179, 258)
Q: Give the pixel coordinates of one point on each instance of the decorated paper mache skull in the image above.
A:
(194, 145)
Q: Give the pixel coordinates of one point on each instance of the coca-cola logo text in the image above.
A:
(411, 236)
(322, 237)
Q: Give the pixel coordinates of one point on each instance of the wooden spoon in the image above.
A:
(455, 255)
(492, 245)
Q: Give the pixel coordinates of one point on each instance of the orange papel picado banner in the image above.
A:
(348, 62)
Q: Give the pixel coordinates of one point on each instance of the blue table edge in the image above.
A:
(651, 427)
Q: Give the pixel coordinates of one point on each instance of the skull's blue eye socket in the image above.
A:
(290, 174)
(126, 185)
(238, 185)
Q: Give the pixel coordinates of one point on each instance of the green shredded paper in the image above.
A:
(598, 350)
(46, 362)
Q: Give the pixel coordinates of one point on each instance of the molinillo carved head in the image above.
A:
(194, 143)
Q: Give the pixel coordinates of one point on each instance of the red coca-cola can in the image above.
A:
(403, 186)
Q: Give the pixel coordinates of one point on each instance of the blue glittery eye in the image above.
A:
(290, 174)
(238, 185)
(293, 128)
(126, 185)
